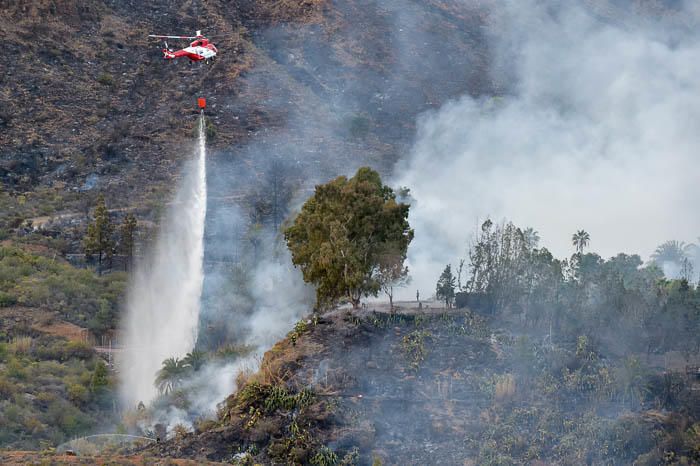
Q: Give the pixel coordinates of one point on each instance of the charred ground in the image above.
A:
(437, 387)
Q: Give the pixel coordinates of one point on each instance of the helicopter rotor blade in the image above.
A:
(155, 36)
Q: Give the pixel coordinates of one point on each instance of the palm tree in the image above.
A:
(194, 360)
(675, 258)
(170, 375)
(672, 251)
(580, 240)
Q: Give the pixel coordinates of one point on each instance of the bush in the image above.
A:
(78, 350)
(413, 346)
(16, 369)
(359, 126)
(7, 389)
(7, 299)
(78, 394)
(324, 457)
(270, 398)
(106, 79)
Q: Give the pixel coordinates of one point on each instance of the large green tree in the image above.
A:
(345, 235)
(98, 240)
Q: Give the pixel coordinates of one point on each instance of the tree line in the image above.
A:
(617, 301)
(100, 242)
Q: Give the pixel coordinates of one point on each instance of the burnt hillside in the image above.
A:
(89, 104)
(440, 388)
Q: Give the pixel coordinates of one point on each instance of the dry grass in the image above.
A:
(505, 387)
(279, 364)
(63, 329)
(20, 345)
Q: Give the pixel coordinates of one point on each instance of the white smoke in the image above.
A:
(164, 297)
(281, 298)
(600, 133)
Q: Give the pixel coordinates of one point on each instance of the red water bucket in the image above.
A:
(202, 102)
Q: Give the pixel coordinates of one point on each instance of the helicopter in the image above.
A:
(200, 49)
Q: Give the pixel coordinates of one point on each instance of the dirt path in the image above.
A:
(23, 458)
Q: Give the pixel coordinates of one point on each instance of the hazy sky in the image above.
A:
(601, 131)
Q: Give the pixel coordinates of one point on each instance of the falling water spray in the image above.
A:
(164, 296)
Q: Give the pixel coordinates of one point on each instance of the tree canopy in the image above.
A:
(350, 237)
(98, 240)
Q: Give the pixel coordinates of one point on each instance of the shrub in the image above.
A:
(16, 369)
(78, 394)
(359, 126)
(324, 457)
(106, 79)
(413, 346)
(78, 350)
(7, 389)
(7, 299)
(271, 398)
(180, 431)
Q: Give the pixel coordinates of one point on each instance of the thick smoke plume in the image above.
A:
(163, 303)
(598, 131)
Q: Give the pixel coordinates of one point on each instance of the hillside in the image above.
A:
(540, 360)
(90, 105)
(441, 388)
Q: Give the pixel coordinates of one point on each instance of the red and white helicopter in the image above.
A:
(200, 49)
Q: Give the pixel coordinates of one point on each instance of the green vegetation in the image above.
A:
(349, 235)
(324, 457)
(619, 303)
(413, 346)
(126, 243)
(359, 126)
(445, 290)
(16, 209)
(34, 280)
(51, 390)
(175, 371)
(98, 240)
(270, 398)
(268, 410)
(587, 328)
(106, 79)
